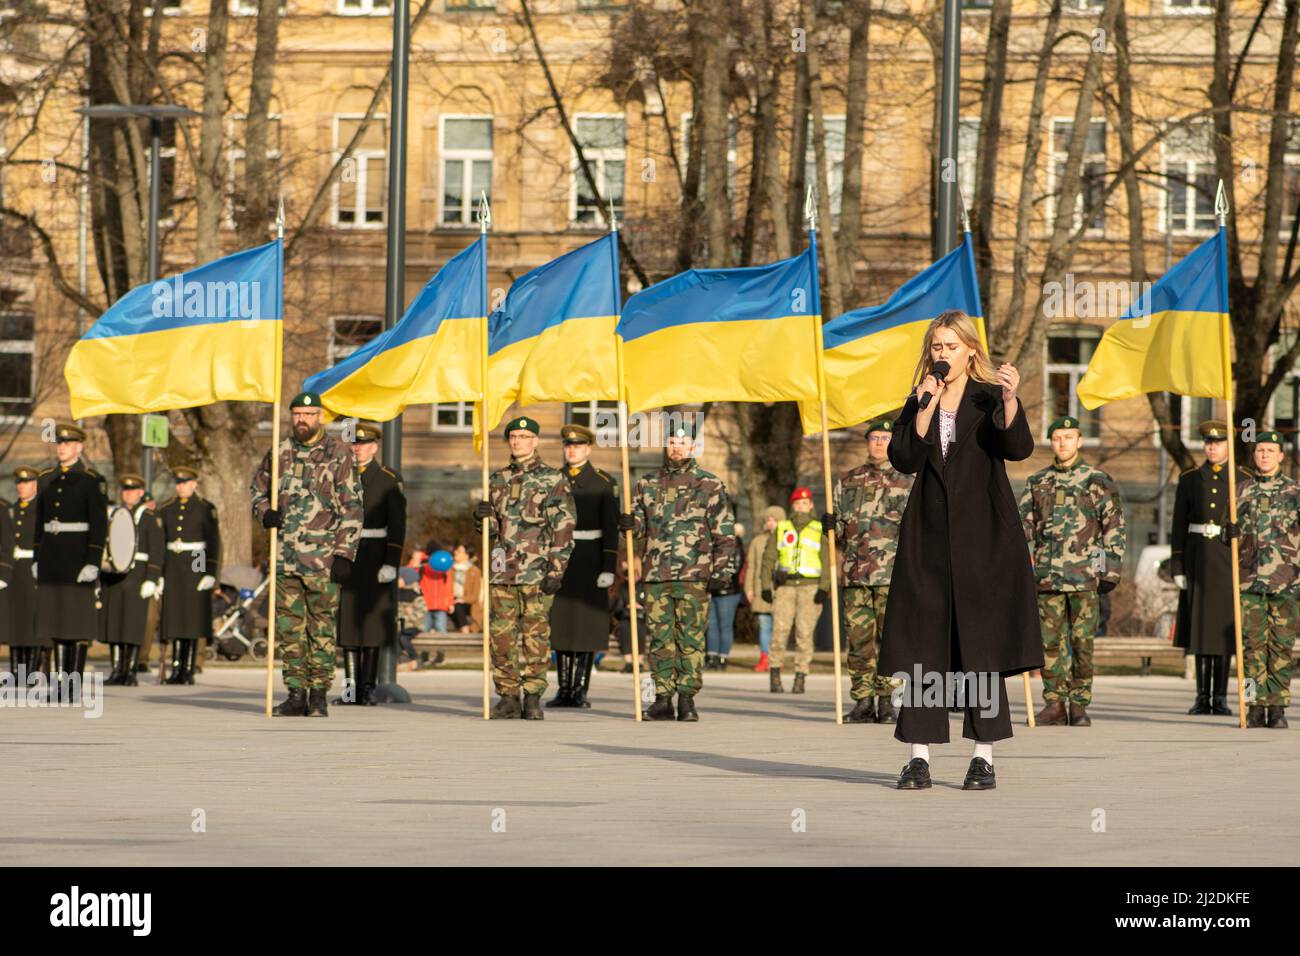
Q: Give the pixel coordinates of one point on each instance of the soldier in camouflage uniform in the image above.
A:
(869, 502)
(531, 517)
(1268, 517)
(319, 517)
(687, 537)
(1074, 523)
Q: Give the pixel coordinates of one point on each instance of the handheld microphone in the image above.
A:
(940, 372)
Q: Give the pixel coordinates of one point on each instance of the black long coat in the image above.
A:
(20, 596)
(1205, 624)
(66, 610)
(962, 559)
(368, 609)
(124, 612)
(580, 613)
(187, 611)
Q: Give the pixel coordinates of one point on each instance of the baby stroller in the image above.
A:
(239, 614)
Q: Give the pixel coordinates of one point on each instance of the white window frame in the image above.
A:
(21, 347)
(1191, 423)
(468, 157)
(1188, 189)
(171, 8)
(362, 175)
(368, 8)
(234, 154)
(834, 158)
(1076, 372)
(1055, 158)
(248, 8)
(971, 8)
(336, 353)
(605, 436)
(1195, 8)
(464, 417)
(598, 157)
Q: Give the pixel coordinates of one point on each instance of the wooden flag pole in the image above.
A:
(629, 537)
(275, 468)
(485, 217)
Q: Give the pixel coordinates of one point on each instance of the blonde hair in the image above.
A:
(980, 367)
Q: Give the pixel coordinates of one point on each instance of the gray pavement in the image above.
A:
(196, 775)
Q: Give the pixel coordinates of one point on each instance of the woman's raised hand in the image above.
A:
(1009, 379)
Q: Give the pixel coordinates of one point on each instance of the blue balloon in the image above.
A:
(441, 561)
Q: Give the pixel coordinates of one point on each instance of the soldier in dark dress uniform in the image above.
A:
(6, 579)
(368, 599)
(71, 524)
(580, 615)
(125, 596)
(193, 550)
(26, 648)
(1201, 564)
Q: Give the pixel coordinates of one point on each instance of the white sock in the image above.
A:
(985, 751)
(922, 751)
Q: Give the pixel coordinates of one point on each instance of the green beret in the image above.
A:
(523, 423)
(67, 432)
(879, 425)
(577, 435)
(683, 429)
(367, 432)
(1065, 421)
(306, 400)
(1214, 430)
(1273, 436)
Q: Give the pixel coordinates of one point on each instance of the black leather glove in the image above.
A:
(551, 584)
(626, 523)
(767, 595)
(483, 510)
(340, 569)
(828, 521)
(1231, 530)
(1105, 587)
(779, 577)
(819, 597)
(272, 519)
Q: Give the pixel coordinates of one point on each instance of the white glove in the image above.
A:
(605, 580)
(1181, 581)
(386, 574)
(3, 585)
(87, 574)
(159, 592)
(33, 570)
(148, 589)
(207, 583)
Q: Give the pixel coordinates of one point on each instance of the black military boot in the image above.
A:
(506, 708)
(131, 653)
(369, 677)
(885, 711)
(686, 708)
(774, 681)
(863, 712)
(582, 678)
(115, 665)
(1202, 705)
(1277, 718)
(1257, 716)
(1219, 701)
(533, 707)
(192, 660)
(351, 678)
(564, 661)
(79, 651)
(661, 709)
(177, 675)
(1079, 715)
(316, 706)
(798, 687)
(293, 706)
(58, 670)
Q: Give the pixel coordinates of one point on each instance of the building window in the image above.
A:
(603, 140)
(453, 416)
(1093, 183)
(976, 4)
(466, 167)
(168, 7)
(16, 352)
(349, 332)
(1069, 350)
(1290, 177)
(1188, 6)
(362, 188)
(968, 140)
(600, 416)
(248, 8)
(1188, 413)
(1190, 178)
(454, 6)
(834, 161)
(364, 8)
(238, 133)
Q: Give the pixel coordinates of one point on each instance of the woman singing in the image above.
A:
(963, 613)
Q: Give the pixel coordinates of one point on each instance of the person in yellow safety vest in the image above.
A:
(795, 581)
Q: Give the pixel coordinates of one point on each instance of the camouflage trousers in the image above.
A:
(306, 607)
(1069, 621)
(794, 605)
(676, 620)
(864, 622)
(1268, 631)
(521, 638)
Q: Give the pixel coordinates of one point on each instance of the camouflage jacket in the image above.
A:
(1268, 514)
(868, 503)
(533, 521)
(320, 500)
(684, 525)
(1074, 523)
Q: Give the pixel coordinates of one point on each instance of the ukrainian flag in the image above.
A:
(552, 340)
(745, 335)
(431, 355)
(1175, 338)
(203, 336)
(870, 354)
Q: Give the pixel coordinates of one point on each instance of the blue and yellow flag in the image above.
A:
(1173, 339)
(744, 335)
(433, 354)
(870, 354)
(203, 336)
(552, 340)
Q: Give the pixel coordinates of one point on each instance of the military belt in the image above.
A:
(1210, 530)
(24, 554)
(179, 546)
(588, 534)
(374, 532)
(65, 527)
(142, 555)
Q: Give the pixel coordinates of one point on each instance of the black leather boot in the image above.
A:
(774, 681)
(533, 707)
(563, 680)
(1202, 705)
(79, 658)
(661, 709)
(582, 678)
(369, 664)
(686, 708)
(351, 678)
(863, 712)
(885, 711)
(1277, 718)
(295, 705)
(15, 654)
(131, 655)
(506, 708)
(316, 706)
(177, 664)
(191, 660)
(798, 687)
(1256, 716)
(115, 665)
(1219, 700)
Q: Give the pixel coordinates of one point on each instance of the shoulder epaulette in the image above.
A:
(164, 504)
(390, 473)
(1188, 471)
(602, 474)
(45, 472)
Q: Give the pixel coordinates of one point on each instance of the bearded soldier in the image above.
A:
(192, 539)
(1268, 516)
(25, 643)
(1074, 524)
(71, 525)
(530, 516)
(126, 595)
(580, 614)
(869, 502)
(686, 534)
(368, 600)
(319, 514)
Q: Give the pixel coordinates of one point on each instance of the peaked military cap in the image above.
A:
(184, 474)
(1270, 435)
(25, 474)
(522, 423)
(69, 432)
(129, 480)
(879, 425)
(577, 435)
(1214, 430)
(1065, 421)
(306, 400)
(367, 432)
